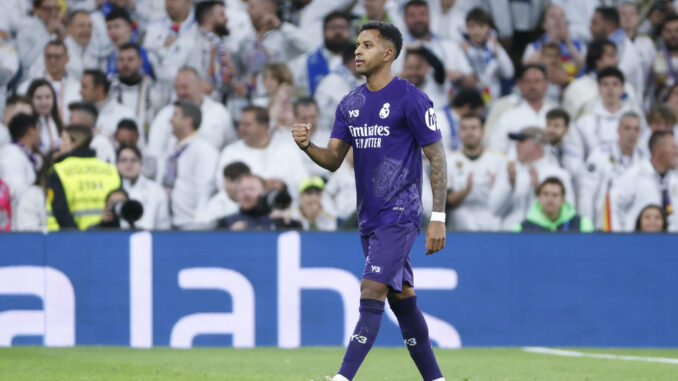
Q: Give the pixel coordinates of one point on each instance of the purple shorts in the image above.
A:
(387, 255)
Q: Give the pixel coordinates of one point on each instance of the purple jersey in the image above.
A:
(386, 129)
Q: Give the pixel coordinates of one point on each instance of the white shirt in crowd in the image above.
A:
(144, 99)
(325, 221)
(299, 67)
(103, 148)
(67, 90)
(581, 94)
(31, 40)
(447, 51)
(340, 189)
(81, 58)
(279, 159)
(167, 60)
(599, 127)
(16, 170)
(219, 206)
(153, 198)
(490, 70)
(474, 213)
(216, 129)
(639, 187)
(511, 204)
(513, 120)
(5, 138)
(330, 91)
(110, 114)
(605, 164)
(30, 214)
(193, 184)
(49, 135)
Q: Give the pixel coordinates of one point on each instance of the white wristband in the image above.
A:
(438, 216)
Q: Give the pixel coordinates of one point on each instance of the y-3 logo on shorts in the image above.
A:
(376, 269)
(358, 338)
(411, 342)
(353, 113)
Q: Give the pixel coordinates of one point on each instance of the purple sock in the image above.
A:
(415, 332)
(363, 337)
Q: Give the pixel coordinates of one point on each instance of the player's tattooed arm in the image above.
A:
(436, 156)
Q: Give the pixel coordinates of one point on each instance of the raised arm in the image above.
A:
(329, 158)
(435, 234)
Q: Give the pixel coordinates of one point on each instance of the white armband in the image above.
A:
(438, 216)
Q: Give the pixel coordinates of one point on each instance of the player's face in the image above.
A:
(651, 221)
(555, 130)
(470, 132)
(371, 52)
(629, 131)
(611, 89)
(551, 198)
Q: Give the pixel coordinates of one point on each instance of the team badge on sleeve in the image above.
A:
(385, 110)
(431, 119)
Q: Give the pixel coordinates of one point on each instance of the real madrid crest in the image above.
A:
(385, 110)
(460, 164)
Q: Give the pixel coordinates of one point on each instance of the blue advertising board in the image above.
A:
(300, 289)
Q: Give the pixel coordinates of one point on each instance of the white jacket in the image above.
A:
(580, 94)
(153, 198)
(639, 187)
(110, 114)
(16, 170)
(513, 120)
(30, 214)
(600, 127)
(512, 203)
(474, 213)
(604, 165)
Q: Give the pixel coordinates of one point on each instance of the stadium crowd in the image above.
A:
(176, 114)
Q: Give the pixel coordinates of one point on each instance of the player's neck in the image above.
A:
(378, 80)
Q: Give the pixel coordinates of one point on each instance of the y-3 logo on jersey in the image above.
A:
(353, 113)
(376, 269)
(385, 110)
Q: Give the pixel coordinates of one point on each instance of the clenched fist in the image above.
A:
(302, 134)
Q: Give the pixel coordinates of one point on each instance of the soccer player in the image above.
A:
(387, 121)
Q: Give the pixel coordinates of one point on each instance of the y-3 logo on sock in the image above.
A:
(376, 269)
(358, 338)
(411, 342)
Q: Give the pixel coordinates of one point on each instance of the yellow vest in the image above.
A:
(86, 182)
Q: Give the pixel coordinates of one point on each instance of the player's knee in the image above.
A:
(373, 290)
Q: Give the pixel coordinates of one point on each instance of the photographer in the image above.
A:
(120, 212)
(258, 210)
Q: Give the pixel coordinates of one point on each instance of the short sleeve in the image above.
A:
(340, 129)
(421, 118)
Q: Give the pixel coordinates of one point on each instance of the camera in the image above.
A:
(275, 199)
(129, 211)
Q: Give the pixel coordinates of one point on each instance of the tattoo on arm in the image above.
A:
(436, 155)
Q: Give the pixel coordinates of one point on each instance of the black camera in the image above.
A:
(275, 199)
(129, 211)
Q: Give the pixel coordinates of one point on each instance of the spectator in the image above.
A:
(488, 59)
(38, 30)
(651, 220)
(607, 163)
(580, 94)
(647, 182)
(211, 57)
(425, 71)
(19, 161)
(15, 105)
(606, 24)
(310, 212)
(86, 114)
(514, 189)
(82, 53)
(150, 194)
(450, 20)
(126, 134)
(417, 20)
(254, 211)
(225, 201)
(95, 89)
(134, 88)
(306, 111)
(66, 88)
(216, 128)
(170, 40)
(655, 17)
(341, 192)
(277, 161)
(334, 86)
(558, 78)
(563, 147)
(551, 213)
(664, 65)
(187, 174)
(471, 174)
(601, 126)
(45, 104)
(310, 68)
(9, 67)
(78, 183)
(466, 101)
(280, 106)
(531, 111)
(120, 212)
(119, 26)
(661, 117)
(276, 76)
(555, 25)
(30, 214)
(629, 21)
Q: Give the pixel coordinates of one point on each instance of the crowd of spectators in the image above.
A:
(558, 115)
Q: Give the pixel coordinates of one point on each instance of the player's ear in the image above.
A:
(389, 52)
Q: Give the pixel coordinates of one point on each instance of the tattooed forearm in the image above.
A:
(436, 155)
